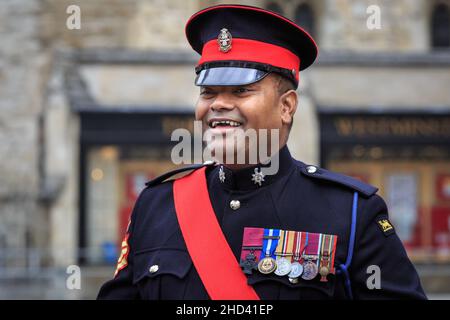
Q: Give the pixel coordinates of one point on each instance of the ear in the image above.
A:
(288, 105)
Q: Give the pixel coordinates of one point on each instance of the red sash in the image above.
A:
(209, 250)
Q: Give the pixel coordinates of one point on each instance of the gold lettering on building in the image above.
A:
(385, 127)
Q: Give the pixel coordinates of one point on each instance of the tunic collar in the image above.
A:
(251, 178)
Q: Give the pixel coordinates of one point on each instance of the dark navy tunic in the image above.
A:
(296, 198)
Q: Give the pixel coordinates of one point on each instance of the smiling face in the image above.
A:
(224, 110)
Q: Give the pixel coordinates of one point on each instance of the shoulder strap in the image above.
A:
(209, 250)
(362, 188)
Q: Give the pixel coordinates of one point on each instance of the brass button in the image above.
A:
(235, 204)
(311, 169)
(153, 268)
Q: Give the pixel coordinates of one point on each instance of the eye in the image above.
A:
(205, 91)
(242, 90)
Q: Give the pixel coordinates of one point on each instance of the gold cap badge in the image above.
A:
(224, 39)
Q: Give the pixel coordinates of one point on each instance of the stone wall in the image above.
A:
(140, 24)
(24, 63)
(341, 24)
(403, 26)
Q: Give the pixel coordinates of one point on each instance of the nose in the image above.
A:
(222, 102)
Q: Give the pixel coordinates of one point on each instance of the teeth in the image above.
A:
(225, 122)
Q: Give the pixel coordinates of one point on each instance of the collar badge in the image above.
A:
(258, 177)
(221, 174)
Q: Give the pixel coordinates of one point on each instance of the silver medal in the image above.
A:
(296, 270)
(283, 267)
(310, 270)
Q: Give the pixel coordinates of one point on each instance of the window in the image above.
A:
(304, 17)
(440, 26)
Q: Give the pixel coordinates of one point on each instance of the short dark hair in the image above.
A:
(283, 86)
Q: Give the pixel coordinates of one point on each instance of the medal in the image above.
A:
(251, 249)
(249, 263)
(296, 267)
(312, 252)
(292, 253)
(284, 249)
(283, 267)
(324, 271)
(296, 270)
(309, 270)
(267, 263)
(325, 260)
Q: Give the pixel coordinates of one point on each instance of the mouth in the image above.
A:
(223, 123)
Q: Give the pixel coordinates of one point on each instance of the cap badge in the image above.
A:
(224, 40)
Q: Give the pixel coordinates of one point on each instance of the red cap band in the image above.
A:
(252, 51)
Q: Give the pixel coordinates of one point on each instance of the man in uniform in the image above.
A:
(229, 231)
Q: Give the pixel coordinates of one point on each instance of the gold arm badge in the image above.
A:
(386, 226)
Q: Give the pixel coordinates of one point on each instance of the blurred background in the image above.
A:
(87, 113)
